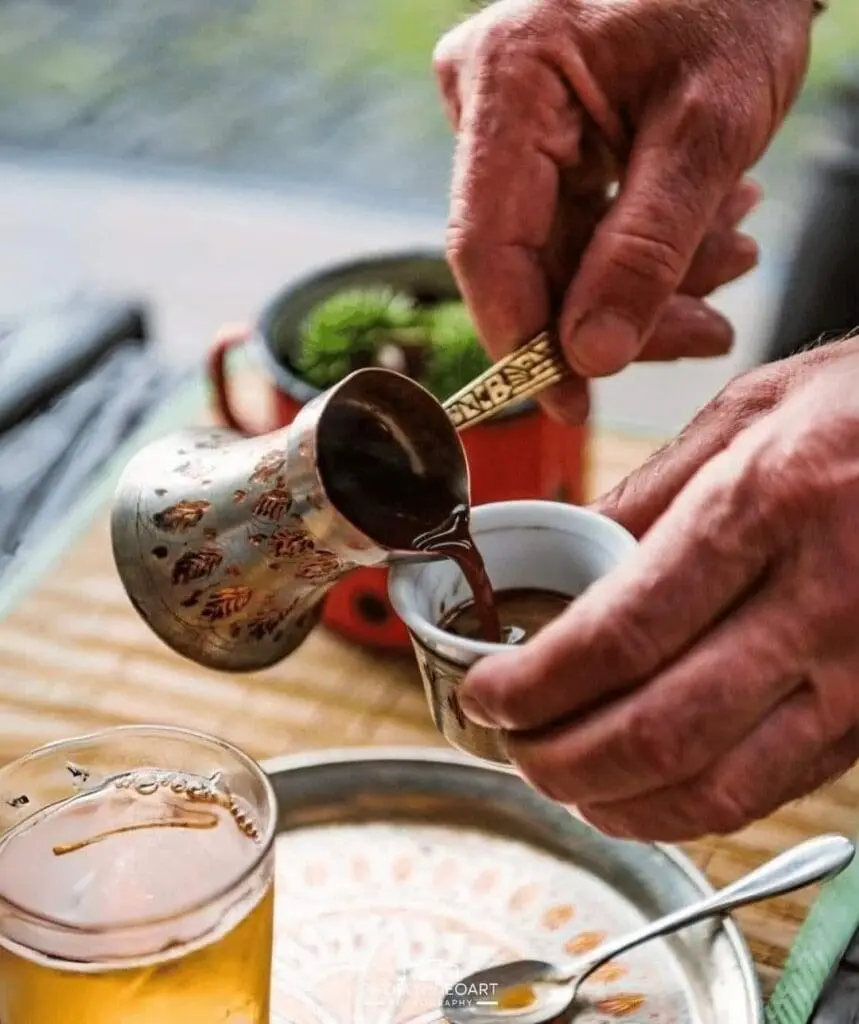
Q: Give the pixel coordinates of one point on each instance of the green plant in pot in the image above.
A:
(433, 343)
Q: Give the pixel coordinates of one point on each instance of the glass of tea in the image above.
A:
(539, 556)
(136, 882)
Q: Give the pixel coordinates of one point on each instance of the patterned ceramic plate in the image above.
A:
(400, 871)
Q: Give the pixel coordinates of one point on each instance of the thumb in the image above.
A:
(646, 494)
(642, 497)
(678, 174)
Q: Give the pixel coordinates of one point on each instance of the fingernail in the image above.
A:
(469, 697)
(750, 196)
(748, 246)
(473, 709)
(603, 343)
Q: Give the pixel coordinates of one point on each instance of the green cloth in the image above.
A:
(821, 943)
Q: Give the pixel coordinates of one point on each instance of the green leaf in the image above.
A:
(457, 356)
(349, 330)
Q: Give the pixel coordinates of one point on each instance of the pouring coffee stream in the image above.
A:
(424, 513)
(227, 545)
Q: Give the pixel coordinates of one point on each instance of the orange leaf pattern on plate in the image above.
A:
(392, 925)
(225, 603)
(182, 516)
(314, 874)
(584, 943)
(524, 896)
(609, 973)
(360, 869)
(556, 917)
(273, 504)
(485, 881)
(196, 565)
(621, 1006)
(403, 869)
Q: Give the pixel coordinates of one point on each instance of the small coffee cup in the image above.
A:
(534, 545)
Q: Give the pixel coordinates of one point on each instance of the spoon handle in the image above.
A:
(806, 863)
(523, 374)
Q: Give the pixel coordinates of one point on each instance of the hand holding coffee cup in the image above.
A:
(539, 555)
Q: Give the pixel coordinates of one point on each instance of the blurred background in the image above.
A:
(197, 155)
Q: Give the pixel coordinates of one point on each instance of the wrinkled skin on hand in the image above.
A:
(715, 675)
(556, 101)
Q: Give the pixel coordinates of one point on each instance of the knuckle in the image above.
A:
(654, 260)
(758, 389)
(498, 33)
(739, 512)
(605, 820)
(735, 396)
(543, 776)
(632, 648)
(715, 123)
(511, 701)
(626, 493)
(465, 249)
(443, 55)
(652, 747)
(799, 471)
(723, 808)
(793, 471)
(738, 404)
(453, 47)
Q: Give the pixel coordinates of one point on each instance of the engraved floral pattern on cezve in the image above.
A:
(182, 516)
(253, 581)
(268, 467)
(268, 621)
(273, 504)
(197, 565)
(319, 566)
(225, 603)
(374, 922)
(290, 543)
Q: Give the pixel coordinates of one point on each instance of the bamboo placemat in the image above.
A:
(76, 657)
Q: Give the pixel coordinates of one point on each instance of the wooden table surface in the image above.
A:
(76, 657)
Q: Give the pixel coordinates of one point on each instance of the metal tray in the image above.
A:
(398, 871)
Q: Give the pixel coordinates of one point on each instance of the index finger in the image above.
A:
(708, 549)
(516, 127)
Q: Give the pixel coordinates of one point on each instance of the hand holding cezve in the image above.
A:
(712, 678)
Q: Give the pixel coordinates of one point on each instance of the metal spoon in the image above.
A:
(535, 992)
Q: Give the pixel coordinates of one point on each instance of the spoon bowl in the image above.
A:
(536, 992)
(522, 996)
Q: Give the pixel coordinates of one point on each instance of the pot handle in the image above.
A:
(227, 339)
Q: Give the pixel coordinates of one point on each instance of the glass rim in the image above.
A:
(265, 845)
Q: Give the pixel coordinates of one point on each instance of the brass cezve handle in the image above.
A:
(523, 374)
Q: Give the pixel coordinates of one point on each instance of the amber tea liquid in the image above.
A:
(141, 847)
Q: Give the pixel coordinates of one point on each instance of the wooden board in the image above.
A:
(76, 657)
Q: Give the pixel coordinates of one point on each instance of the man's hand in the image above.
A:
(556, 101)
(715, 675)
